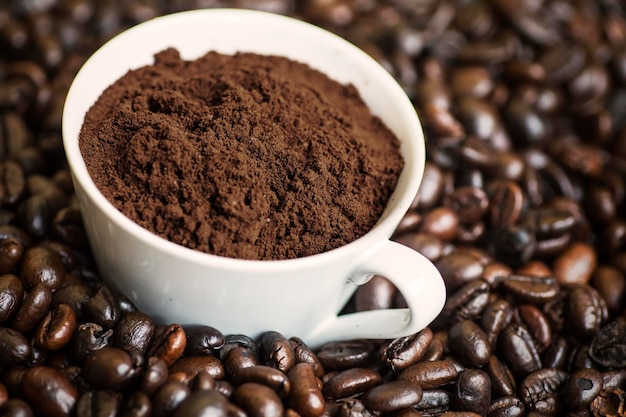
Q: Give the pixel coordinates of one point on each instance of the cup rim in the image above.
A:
(412, 171)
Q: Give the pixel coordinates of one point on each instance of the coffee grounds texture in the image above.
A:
(243, 156)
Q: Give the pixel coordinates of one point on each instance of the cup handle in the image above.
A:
(416, 278)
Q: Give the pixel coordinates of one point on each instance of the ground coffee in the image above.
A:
(245, 156)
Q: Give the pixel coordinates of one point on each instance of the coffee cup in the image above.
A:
(298, 297)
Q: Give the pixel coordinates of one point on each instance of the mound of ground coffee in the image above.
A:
(244, 156)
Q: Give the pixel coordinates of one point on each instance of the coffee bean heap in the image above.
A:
(521, 209)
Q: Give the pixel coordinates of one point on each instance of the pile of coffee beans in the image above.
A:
(522, 210)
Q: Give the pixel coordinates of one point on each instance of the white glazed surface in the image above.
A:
(298, 297)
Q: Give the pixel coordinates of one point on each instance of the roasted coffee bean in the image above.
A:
(459, 268)
(351, 407)
(168, 397)
(134, 331)
(540, 390)
(429, 375)
(585, 310)
(441, 222)
(431, 188)
(109, 368)
(48, 392)
(203, 403)
(67, 226)
(610, 402)
(502, 380)
(258, 400)
(470, 343)
(377, 293)
(42, 266)
(12, 292)
(56, 328)
(305, 395)
(496, 316)
(169, 343)
(433, 402)
(575, 265)
(351, 382)
(16, 407)
(531, 289)
(506, 407)
(14, 348)
(12, 183)
(239, 358)
(611, 286)
(192, 365)
(34, 307)
(266, 375)
(88, 337)
(102, 308)
(472, 391)
(136, 404)
(608, 347)
(154, 375)
(304, 354)
(101, 403)
(344, 355)
(393, 396)
(537, 324)
(581, 388)
(203, 340)
(517, 348)
(276, 350)
(514, 245)
(467, 303)
(405, 351)
(11, 251)
(428, 245)
(73, 295)
(471, 203)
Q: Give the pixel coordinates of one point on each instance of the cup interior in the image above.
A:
(197, 32)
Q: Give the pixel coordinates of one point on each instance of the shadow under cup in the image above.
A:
(298, 297)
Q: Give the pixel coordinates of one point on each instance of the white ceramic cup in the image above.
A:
(297, 297)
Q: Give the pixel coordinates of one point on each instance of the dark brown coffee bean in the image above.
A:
(16, 407)
(393, 396)
(514, 245)
(540, 389)
(581, 388)
(351, 382)
(12, 292)
(203, 340)
(405, 351)
(136, 404)
(258, 400)
(472, 391)
(470, 343)
(611, 286)
(203, 403)
(467, 303)
(531, 289)
(14, 348)
(49, 392)
(502, 380)
(305, 395)
(471, 203)
(134, 331)
(575, 265)
(506, 406)
(168, 397)
(517, 348)
(11, 251)
(429, 375)
(276, 350)
(56, 328)
(344, 355)
(239, 358)
(154, 375)
(304, 354)
(266, 375)
(496, 316)
(434, 401)
(610, 402)
(537, 324)
(169, 343)
(377, 293)
(585, 310)
(67, 226)
(351, 407)
(431, 188)
(109, 368)
(458, 269)
(88, 337)
(428, 245)
(506, 201)
(102, 308)
(607, 346)
(613, 378)
(97, 403)
(192, 365)
(480, 119)
(12, 183)
(441, 222)
(42, 266)
(471, 80)
(35, 305)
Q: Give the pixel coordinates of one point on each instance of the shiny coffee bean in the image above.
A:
(305, 395)
(109, 368)
(12, 292)
(88, 337)
(168, 397)
(11, 252)
(16, 407)
(192, 365)
(531, 289)
(344, 355)
(393, 396)
(405, 351)
(14, 348)
(377, 293)
(472, 391)
(506, 407)
(537, 324)
(97, 403)
(467, 303)
(430, 374)
(203, 403)
(351, 382)
(276, 350)
(585, 310)
(75, 295)
(458, 269)
(575, 265)
(154, 375)
(134, 331)
(102, 308)
(502, 380)
(517, 348)
(607, 345)
(169, 343)
(470, 343)
(266, 375)
(49, 392)
(34, 307)
(42, 266)
(203, 340)
(258, 400)
(581, 388)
